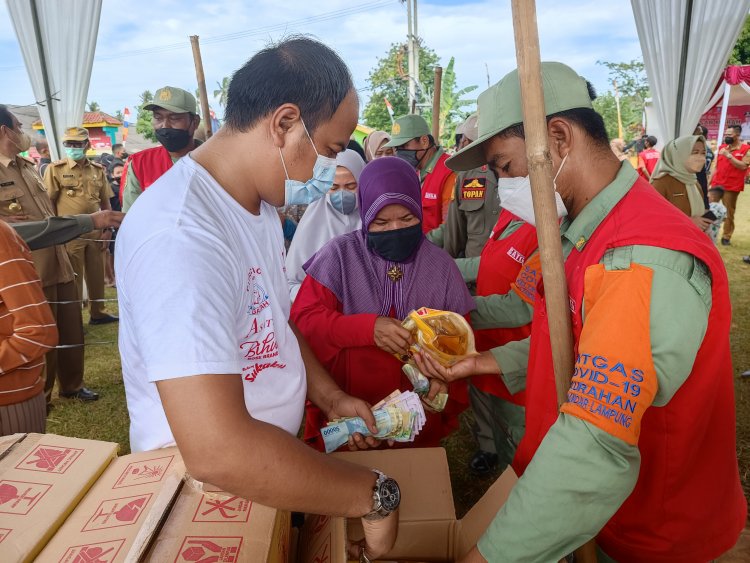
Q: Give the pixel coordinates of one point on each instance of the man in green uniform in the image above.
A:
(77, 186)
(474, 207)
(175, 120)
(23, 198)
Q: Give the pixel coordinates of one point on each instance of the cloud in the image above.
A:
(146, 46)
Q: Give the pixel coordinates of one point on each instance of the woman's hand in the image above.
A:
(391, 337)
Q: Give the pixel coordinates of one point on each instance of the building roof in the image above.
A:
(92, 119)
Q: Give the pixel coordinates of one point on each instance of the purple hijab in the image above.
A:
(358, 277)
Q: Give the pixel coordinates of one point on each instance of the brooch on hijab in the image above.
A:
(395, 273)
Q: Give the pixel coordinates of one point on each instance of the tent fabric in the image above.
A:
(68, 32)
(714, 29)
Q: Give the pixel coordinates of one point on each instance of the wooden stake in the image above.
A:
(201, 85)
(545, 210)
(436, 103)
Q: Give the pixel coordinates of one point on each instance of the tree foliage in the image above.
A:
(223, 91)
(93, 106)
(389, 79)
(143, 123)
(632, 85)
(741, 53)
(120, 117)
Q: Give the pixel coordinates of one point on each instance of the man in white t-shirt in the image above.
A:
(210, 360)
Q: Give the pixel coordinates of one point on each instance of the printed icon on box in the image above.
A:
(203, 549)
(19, 497)
(103, 552)
(146, 471)
(323, 554)
(4, 533)
(220, 507)
(320, 523)
(117, 512)
(49, 459)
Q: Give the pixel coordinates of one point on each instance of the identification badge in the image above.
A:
(473, 188)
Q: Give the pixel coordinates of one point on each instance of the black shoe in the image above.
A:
(483, 463)
(106, 319)
(746, 259)
(725, 242)
(83, 394)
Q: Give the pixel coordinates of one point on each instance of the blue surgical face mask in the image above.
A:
(304, 193)
(75, 153)
(343, 201)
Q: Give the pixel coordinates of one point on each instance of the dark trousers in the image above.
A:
(66, 364)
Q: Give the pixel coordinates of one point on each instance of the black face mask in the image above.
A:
(410, 156)
(729, 140)
(174, 140)
(397, 245)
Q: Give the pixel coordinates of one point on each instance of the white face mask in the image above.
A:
(515, 196)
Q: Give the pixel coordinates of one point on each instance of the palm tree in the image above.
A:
(93, 106)
(223, 91)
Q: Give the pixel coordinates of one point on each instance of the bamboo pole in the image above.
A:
(201, 85)
(436, 92)
(545, 210)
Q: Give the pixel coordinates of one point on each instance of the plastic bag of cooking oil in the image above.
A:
(446, 336)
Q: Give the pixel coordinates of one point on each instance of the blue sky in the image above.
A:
(143, 44)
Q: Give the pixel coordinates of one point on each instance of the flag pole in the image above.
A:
(201, 85)
(545, 209)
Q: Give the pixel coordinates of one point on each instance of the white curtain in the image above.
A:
(66, 43)
(714, 29)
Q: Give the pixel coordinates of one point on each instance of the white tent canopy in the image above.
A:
(57, 40)
(685, 45)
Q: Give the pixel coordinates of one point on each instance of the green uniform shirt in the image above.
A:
(580, 474)
(471, 216)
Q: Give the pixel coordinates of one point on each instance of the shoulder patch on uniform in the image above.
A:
(97, 165)
(473, 188)
(59, 162)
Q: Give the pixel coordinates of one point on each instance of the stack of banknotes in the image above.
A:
(399, 417)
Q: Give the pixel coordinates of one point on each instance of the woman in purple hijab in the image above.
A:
(361, 285)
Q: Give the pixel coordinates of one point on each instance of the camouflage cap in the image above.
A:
(76, 134)
(406, 128)
(173, 99)
(499, 107)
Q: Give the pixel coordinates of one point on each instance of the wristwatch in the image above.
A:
(386, 496)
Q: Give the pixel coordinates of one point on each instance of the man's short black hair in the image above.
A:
(651, 140)
(585, 118)
(737, 128)
(116, 147)
(298, 70)
(6, 118)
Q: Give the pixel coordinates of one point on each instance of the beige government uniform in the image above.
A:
(76, 188)
(22, 192)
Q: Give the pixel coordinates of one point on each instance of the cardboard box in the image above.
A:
(42, 478)
(121, 513)
(428, 528)
(206, 524)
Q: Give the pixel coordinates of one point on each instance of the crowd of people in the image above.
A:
(263, 277)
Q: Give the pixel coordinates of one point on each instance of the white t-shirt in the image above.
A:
(202, 290)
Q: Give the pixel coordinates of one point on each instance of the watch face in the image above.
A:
(390, 495)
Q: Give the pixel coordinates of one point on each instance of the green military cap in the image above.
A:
(76, 134)
(406, 128)
(173, 99)
(499, 107)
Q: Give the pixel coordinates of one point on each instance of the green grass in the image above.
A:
(107, 419)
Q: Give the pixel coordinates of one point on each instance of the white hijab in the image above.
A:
(320, 223)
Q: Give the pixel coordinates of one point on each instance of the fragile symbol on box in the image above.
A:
(220, 507)
(4, 533)
(323, 553)
(19, 497)
(117, 512)
(208, 549)
(49, 459)
(146, 471)
(104, 552)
